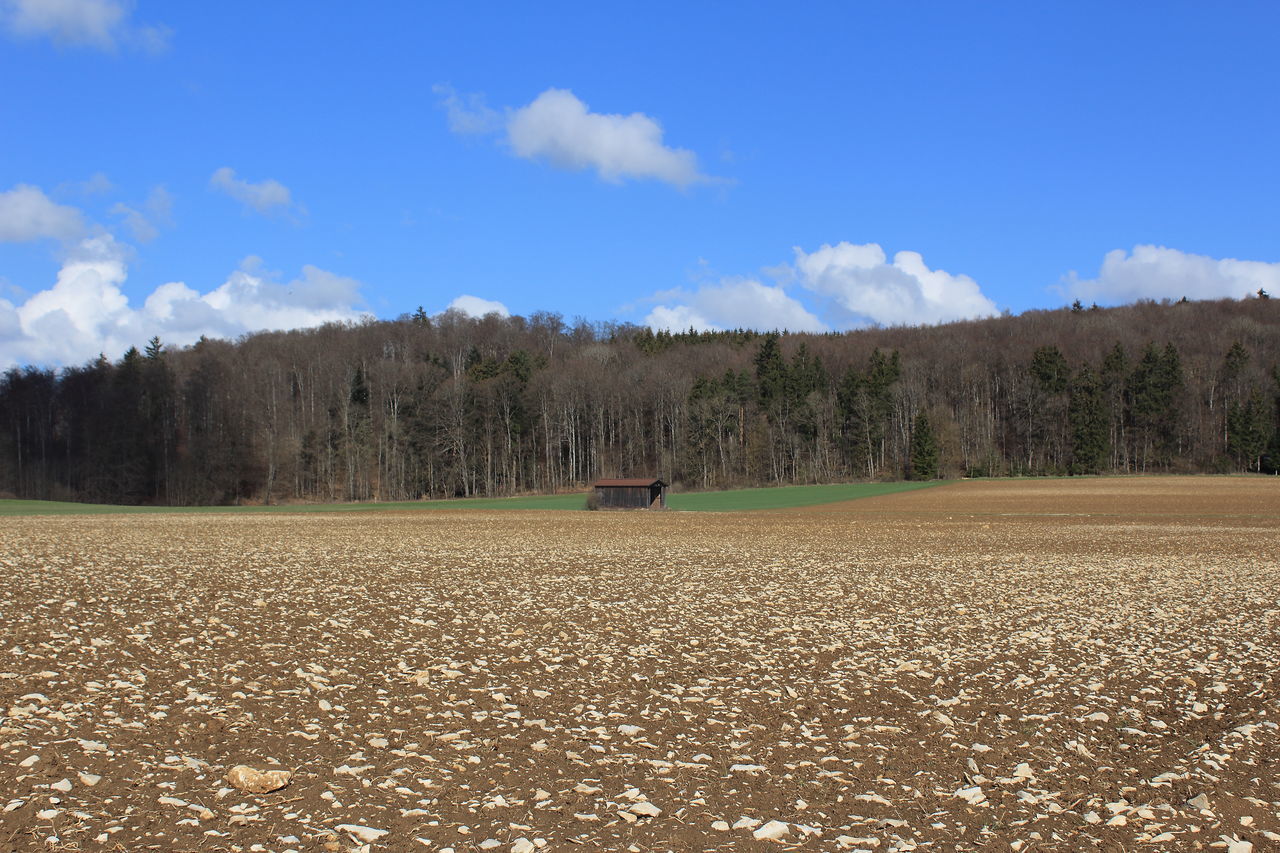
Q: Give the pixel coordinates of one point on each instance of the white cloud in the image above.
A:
(143, 230)
(560, 129)
(266, 197)
(159, 211)
(1157, 272)
(86, 312)
(859, 285)
(733, 304)
(474, 306)
(678, 318)
(97, 184)
(467, 113)
(850, 286)
(26, 213)
(103, 24)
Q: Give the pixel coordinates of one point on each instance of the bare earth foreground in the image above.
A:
(1056, 665)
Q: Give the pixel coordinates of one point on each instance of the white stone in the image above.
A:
(367, 834)
(523, 845)
(255, 781)
(774, 830)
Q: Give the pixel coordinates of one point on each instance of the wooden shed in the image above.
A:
(635, 493)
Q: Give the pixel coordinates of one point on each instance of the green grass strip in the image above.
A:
(736, 500)
(785, 497)
(576, 501)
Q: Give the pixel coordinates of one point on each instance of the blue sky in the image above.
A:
(186, 169)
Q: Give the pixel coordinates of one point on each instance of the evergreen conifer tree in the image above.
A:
(1088, 416)
(924, 450)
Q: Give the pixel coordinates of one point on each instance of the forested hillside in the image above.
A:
(449, 406)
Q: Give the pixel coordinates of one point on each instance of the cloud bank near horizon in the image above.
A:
(86, 312)
(849, 285)
(1158, 272)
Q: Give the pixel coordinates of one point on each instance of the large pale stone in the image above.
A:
(253, 781)
(367, 834)
(774, 830)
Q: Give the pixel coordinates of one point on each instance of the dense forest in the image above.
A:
(448, 405)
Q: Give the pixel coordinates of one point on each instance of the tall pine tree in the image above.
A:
(1088, 417)
(924, 450)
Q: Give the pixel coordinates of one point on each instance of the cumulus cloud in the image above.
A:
(26, 214)
(840, 287)
(86, 312)
(104, 24)
(474, 306)
(558, 128)
(859, 285)
(732, 304)
(266, 197)
(1157, 272)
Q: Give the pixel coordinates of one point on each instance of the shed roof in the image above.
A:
(630, 482)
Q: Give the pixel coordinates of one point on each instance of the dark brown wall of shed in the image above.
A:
(624, 497)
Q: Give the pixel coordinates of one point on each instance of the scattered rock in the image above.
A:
(367, 834)
(252, 781)
(774, 830)
(645, 809)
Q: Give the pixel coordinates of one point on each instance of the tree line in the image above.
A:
(452, 406)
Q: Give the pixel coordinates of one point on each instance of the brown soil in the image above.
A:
(1056, 665)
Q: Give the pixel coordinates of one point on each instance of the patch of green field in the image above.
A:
(785, 497)
(574, 501)
(736, 500)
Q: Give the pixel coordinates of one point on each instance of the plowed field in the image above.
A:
(1053, 665)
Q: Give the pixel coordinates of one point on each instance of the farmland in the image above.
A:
(1033, 665)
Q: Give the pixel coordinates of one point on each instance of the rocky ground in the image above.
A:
(1063, 665)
